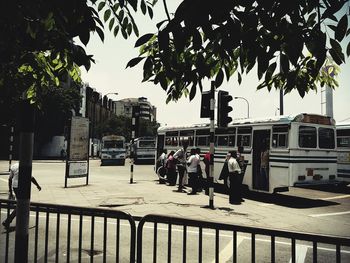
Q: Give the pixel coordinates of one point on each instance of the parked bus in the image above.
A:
(113, 150)
(144, 149)
(301, 148)
(343, 148)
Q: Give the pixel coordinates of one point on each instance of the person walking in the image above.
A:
(180, 156)
(201, 181)
(192, 169)
(234, 179)
(13, 188)
(171, 169)
(242, 165)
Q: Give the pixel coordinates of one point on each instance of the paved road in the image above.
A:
(308, 210)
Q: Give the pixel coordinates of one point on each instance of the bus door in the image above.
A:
(261, 143)
(160, 145)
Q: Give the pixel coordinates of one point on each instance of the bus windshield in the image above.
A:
(147, 144)
(113, 144)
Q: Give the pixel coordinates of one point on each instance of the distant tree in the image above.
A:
(218, 39)
(121, 125)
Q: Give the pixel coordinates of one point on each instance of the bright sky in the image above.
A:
(109, 75)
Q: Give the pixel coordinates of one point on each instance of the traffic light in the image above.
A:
(223, 108)
(205, 104)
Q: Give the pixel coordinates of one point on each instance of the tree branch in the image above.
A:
(166, 9)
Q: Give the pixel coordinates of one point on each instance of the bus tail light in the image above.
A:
(317, 177)
(310, 172)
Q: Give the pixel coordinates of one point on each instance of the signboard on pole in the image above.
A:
(77, 163)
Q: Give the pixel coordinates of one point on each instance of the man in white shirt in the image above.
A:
(192, 165)
(234, 171)
(13, 187)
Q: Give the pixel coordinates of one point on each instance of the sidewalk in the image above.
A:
(144, 196)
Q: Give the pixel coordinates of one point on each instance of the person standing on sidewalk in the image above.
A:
(234, 177)
(13, 187)
(180, 156)
(171, 169)
(192, 169)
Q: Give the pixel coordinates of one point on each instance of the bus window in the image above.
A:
(171, 138)
(231, 140)
(307, 137)
(326, 138)
(202, 141)
(280, 136)
(222, 140)
(187, 136)
(343, 138)
(244, 135)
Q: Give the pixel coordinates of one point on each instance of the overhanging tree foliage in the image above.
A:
(37, 46)
(216, 39)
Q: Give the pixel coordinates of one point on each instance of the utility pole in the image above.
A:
(134, 132)
(212, 149)
(26, 141)
(12, 129)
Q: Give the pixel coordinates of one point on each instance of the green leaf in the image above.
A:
(100, 33)
(116, 7)
(136, 30)
(107, 15)
(239, 78)
(311, 19)
(269, 72)
(85, 36)
(142, 40)
(193, 91)
(121, 15)
(143, 7)
(116, 30)
(219, 78)
(133, 3)
(150, 12)
(129, 29)
(335, 56)
(111, 23)
(284, 63)
(341, 28)
(101, 5)
(133, 62)
(348, 50)
(337, 48)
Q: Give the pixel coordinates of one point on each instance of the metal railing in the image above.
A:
(217, 228)
(62, 233)
(83, 230)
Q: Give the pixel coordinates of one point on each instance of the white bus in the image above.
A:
(343, 148)
(301, 148)
(113, 150)
(144, 149)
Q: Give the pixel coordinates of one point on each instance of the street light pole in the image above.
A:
(245, 101)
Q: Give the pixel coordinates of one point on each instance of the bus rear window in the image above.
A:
(326, 138)
(307, 137)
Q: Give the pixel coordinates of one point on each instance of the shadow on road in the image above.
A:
(288, 200)
(280, 199)
(341, 189)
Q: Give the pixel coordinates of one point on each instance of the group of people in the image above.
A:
(174, 165)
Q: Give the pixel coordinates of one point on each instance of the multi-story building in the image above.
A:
(147, 110)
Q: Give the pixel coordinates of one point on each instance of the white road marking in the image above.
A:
(300, 254)
(336, 197)
(331, 214)
(226, 253)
